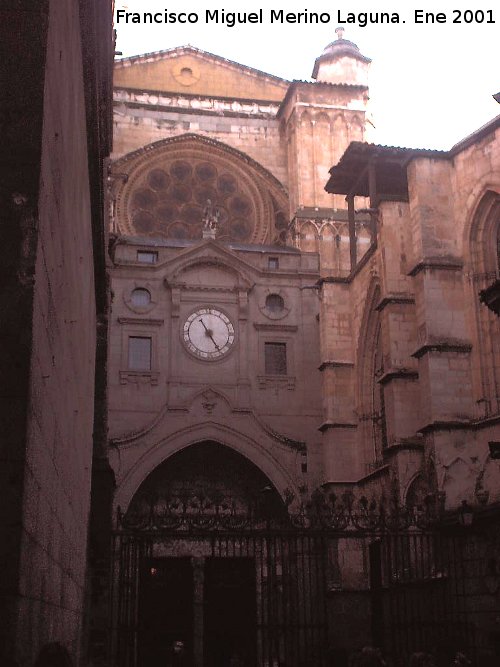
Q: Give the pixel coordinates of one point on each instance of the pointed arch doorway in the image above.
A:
(194, 589)
(204, 555)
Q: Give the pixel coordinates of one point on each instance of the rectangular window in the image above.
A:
(147, 257)
(275, 358)
(273, 263)
(139, 353)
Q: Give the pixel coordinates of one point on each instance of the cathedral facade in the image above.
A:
(271, 333)
(263, 364)
(191, 130)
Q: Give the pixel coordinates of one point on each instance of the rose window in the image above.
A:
(169, 200)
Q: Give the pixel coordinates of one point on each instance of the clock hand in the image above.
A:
(209, 333)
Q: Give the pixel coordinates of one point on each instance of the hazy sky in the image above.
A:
(430, 85)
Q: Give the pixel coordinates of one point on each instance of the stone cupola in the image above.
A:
(342, 63)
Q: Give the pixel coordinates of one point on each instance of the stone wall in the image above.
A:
(256, 133)
(56, 140)
(438, 343)
(60, 420)
(22, 70)
(319, 120)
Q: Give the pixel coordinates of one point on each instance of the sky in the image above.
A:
(431, 84)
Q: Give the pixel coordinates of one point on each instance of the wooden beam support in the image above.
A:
(372, 185)
(361, 175)
(372, 190)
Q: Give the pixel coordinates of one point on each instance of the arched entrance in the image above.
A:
(205, 555)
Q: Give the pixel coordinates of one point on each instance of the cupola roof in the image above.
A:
(339, 47)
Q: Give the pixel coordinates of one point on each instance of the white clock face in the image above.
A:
(208, 333)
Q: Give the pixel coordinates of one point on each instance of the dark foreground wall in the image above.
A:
(55, 76)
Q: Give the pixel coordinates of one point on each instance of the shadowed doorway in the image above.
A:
(230, 612)
(196, 584)
(165, 609)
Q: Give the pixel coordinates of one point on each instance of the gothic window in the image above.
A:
(275, 358)
(484, 292)
(139, 353)
(371, 398)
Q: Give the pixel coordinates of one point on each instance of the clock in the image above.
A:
(208, 334)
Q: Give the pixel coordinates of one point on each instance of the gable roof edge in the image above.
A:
(159, 55)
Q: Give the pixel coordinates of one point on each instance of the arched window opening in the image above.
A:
(373, 423)
(484, 292)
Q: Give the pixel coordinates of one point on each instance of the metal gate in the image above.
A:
(284, 621)
(438, 591)
(252, 590)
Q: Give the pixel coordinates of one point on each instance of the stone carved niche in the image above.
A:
(169, 184)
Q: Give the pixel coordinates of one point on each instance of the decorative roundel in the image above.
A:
(208, 334)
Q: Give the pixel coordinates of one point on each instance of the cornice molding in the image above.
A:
(437, 264)
(157, 101)
(443, 346)
(326, 426)
(335, 364)
(394, 299)
(398, 374)
(447, 425)
(403, 446)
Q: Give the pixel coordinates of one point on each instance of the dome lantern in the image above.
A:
(342, 63)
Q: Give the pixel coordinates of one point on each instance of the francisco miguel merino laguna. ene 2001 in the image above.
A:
(278, 16)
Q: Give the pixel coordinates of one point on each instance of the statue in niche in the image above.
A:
(211, 216)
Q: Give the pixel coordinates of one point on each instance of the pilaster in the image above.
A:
(397, 313)
(339, 425)
(442, 346)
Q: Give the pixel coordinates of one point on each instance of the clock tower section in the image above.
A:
(208, 343)
(215, 342)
